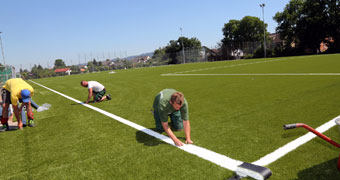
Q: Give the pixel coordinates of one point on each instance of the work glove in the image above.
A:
(30, 115)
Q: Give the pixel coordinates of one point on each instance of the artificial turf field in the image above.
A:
(239, 116)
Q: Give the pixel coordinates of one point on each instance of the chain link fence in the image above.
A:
(187, 56)
(6, 72)
(242, 50)
(247, 50)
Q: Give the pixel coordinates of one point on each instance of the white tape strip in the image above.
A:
(261, 74)
(203, 153)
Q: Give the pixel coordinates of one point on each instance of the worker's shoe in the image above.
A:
(4, 127)
(108, 97)
(31, 123)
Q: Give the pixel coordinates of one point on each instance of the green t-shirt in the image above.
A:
(164, 108)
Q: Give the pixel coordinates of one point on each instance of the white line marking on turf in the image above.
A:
(269, 158)
(218, 67)
(260, 74)
(241, 64)
(206, 154)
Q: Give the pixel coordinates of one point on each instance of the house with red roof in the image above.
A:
(63, 71)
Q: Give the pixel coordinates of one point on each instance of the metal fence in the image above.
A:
(243, 50)
(7, 72)
(249, 50)
(188, 56)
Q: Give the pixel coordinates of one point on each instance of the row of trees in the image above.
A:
(37, 72)
(302, 26)
(246, 34)
(308, 23)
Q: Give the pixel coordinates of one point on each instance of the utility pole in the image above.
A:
(183, 47)
(264, 31)
(3, 57)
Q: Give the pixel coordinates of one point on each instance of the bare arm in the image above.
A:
(171, 134)
(89, 96)
(186, 125)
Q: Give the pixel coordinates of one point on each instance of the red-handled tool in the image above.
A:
(292, 126)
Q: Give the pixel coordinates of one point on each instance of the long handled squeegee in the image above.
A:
(324, 137)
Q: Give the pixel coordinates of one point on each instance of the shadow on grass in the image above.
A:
(90, 102)
(148, 140)
(326, 170)
(292, 134)
(11, 128)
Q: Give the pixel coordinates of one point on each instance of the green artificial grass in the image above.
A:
(237, 116)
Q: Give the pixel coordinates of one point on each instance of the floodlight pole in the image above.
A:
(182, 47)
(3, 56)
(264, 31)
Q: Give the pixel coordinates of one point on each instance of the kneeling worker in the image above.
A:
(13, 91)
(96, 90)
(170, 102)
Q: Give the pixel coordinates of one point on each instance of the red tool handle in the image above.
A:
(291, 126)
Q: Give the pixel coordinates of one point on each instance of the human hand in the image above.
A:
(178, 142)
(189, 141)
(20, 125)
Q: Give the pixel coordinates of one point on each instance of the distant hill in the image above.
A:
(128, 58)
(145, 54)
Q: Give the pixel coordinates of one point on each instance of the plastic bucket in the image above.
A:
(337, 121)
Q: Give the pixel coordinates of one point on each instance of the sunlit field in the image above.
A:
(237, 108)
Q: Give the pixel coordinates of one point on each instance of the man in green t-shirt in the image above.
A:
(170, 102)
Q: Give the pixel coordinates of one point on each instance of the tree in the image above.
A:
(158, 52)
(75, 69)
(307, 23)
(245, 34)
(176, 46)
(251, 29)
(90, 66)
(59, 63)
(287, 22)
(248, 29)
(159, 57)
(95, 62)
(230, 32)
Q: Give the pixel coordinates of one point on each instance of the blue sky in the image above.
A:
(40, 31)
